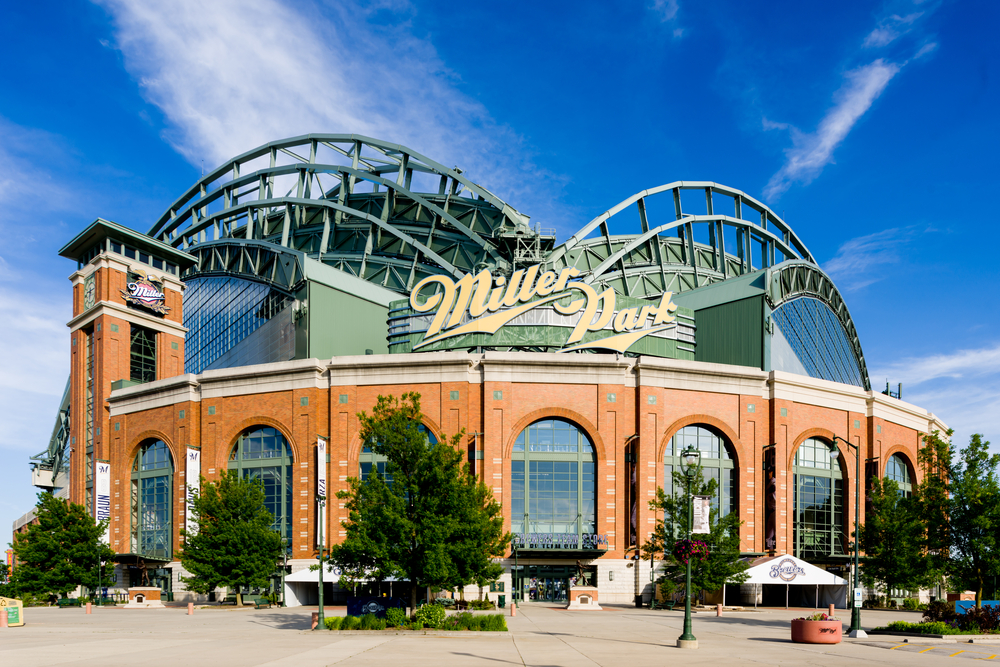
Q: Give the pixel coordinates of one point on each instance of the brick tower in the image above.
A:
(127, 329)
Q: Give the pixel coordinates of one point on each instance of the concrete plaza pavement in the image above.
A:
(540, 635)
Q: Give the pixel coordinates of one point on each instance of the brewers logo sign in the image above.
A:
(145, 292)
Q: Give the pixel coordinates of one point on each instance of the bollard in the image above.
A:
(315, 620)
(513, 608)
(718, 610)
(88, 607)
(831, 611)
(3, 617)
(190, 608)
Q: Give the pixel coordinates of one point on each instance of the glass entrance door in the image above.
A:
(548, 583)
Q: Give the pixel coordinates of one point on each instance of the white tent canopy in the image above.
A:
(786, 572)
(790, 570)
(302, 587)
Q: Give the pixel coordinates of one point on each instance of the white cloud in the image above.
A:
(231, 75)
(665, 9)
(890, 29)
(859, 262)
(811, 152)
(925, 49)
(961, 387)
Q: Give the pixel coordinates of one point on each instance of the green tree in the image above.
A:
(234, 545)
(430, 521)
(932, 499)
(974, 513)
(893, 538)
(723, 564)
(61, 551)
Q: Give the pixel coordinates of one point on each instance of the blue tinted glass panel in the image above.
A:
(818, 340)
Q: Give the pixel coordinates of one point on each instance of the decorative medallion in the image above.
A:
(145, 292)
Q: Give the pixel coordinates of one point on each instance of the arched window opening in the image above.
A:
(152, 500)
(263, 453)
(819, 501)
(553, 487)
(370, 460)
(897, 470)
(716, 463)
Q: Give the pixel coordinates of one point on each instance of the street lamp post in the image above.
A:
(321, 501)
(855, 630)
(284, 567)
(690, 457)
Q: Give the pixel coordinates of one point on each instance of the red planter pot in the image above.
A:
(816, 632)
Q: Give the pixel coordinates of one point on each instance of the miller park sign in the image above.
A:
(536, 308)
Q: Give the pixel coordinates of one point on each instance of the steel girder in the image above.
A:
(259, 261)
(648, 263)
(793, 279)
(364, 215)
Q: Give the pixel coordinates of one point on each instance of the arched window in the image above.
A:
(897, 470)
(370, 459)
(716, 463)
(152, 481)
(819, 501)
(553, 486)
(263, 453)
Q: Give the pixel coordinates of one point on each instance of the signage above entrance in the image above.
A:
(560, 541)
(484, 304)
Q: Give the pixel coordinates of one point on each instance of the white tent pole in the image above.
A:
(723, 594)
(756, 594)
(817, 596)
(786, 596)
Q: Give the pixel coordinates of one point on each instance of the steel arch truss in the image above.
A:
(374, 209)
(258, 261)
(791, 280)
(666, 256)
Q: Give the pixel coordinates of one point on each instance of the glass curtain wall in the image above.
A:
(553, 485)
(716, 463)
(819, 501)
(142, 354)
(263, 453)
(152, 499)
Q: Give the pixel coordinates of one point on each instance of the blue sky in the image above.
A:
(871, 127)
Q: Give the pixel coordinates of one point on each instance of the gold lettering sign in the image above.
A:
(493, 302)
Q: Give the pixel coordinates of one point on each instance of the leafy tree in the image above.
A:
(429, 521)
(974, 513)
(723, 564)
(61, 551)
(932, 499)
(893, 538)
(234, 545)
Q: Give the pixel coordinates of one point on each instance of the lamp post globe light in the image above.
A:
(690, 458)
(855, 630)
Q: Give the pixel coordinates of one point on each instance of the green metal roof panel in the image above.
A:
(101, 229)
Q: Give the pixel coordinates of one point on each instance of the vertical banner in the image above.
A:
(102, 493)
(192, 474)
(321, 488)
(702, 508)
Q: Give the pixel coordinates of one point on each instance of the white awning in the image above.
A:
(790, 570)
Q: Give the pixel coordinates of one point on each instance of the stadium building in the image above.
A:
(286, 290)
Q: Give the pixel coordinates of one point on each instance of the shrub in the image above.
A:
(431, 615)
(481, 604)
(447, 602)
(417, 625)
(939, 610)
(350, 623)
(927, 628)
(332, 622)
(494, 623)
(910, 604)
(395, 616)
(985, 619)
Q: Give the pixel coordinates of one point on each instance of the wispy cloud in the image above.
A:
(811, 152)
(861, 86)
(889, 29)
(230, 75)
(961, 387)
(666, 12)
(860, 262)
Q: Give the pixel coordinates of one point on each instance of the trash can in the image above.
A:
(501, 601)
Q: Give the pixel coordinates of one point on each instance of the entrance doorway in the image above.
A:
(545, 583)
